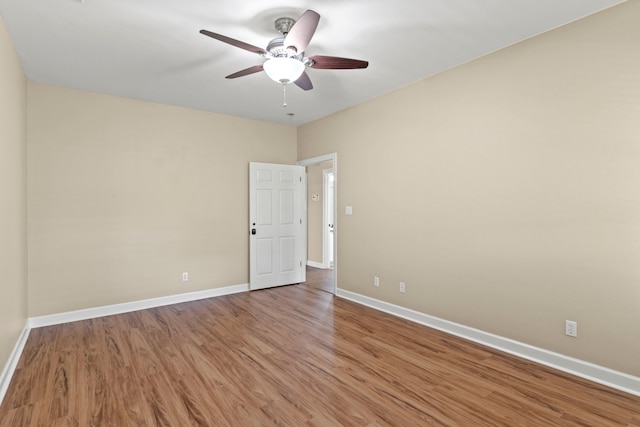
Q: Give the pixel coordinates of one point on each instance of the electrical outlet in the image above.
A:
(185, 277)
(376, 281)
(402, 287)
(571, 328)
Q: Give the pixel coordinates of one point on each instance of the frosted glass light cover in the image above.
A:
(283, 70)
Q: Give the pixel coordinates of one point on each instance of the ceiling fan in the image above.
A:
(286, 62)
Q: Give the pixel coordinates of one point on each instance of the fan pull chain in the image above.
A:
(284, 94)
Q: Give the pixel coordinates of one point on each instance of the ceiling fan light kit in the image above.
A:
(286, 62)
(283, 69)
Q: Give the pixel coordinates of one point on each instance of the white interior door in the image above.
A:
(327, 215)
(277, 225)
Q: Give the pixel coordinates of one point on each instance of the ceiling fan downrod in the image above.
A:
(283, 25)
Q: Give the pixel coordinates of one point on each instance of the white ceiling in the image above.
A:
(152, 49)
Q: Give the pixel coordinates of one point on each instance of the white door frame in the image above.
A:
(333, 157)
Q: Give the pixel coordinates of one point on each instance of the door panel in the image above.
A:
(264, 258)
(287, 254)
(277, 241)
(264, 209)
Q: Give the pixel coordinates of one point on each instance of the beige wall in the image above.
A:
(126, 195)
(13, 197)
(315, 185)
(508, 188)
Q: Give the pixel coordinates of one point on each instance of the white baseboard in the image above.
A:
(599, 374)
(315, 264)
(12, 363)
(108, 310)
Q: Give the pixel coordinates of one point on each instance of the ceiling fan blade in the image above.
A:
(335, 63)
(234, 42)
(300, 34)
(246, 72)
(304, 82)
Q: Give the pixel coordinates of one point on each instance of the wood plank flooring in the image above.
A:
(320, 279)
(291, 356)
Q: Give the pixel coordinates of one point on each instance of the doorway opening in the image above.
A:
(322, 227)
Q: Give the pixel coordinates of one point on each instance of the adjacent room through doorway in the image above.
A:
(321, 221)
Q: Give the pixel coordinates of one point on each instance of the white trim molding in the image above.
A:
(315, 264)
(12, 363)
(596, 373)
(108, 310)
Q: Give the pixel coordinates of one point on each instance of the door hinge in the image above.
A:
(300, 263)
(300, 221)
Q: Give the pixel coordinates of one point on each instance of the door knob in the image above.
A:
(253, 231)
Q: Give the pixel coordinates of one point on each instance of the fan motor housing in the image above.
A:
(277, 49)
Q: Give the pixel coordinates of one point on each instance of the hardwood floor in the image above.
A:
(290, 356)
(320, 279)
